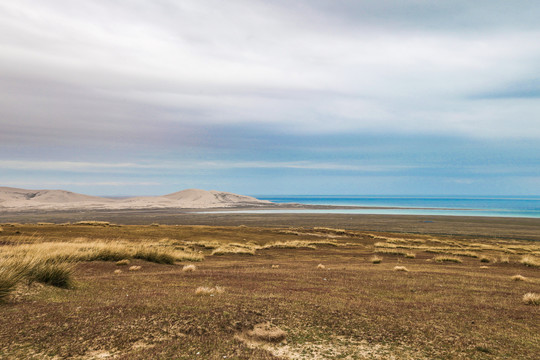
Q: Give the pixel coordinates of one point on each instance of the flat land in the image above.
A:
(443, 288)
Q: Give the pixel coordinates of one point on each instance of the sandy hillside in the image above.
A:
(22, 199)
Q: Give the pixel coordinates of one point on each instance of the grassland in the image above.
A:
(266, 293)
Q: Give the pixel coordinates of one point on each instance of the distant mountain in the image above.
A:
(22, 199)
(202, 198)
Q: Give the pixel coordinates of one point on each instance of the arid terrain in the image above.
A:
(278, 287)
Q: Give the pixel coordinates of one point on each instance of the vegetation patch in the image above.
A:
(531, 298)
(530, 261)
(443, 258)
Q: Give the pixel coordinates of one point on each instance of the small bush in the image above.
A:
(117, 271)
(443, 258)
(519, 278)
(123, 262)
(485, 259)
(189, 268)
(376, 259)
(410, 255)
(531, 299)
(134, 268)
(400, 268)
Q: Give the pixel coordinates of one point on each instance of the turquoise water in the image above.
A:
(500, 206)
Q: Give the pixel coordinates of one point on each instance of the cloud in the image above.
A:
(344, 86)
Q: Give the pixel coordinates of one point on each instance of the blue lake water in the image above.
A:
(501, 206)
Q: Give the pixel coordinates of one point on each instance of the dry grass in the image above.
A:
(530, 261)
(275, 266)
(531, 298)
(11, 273)
(444, 258)
(267, 332)
(93, 223)
(118, 271)
(321, 267)
(410, 255)
(519, 278)
(233, 250)
(134, 268)
(189, 268)
(465, 253)
(400, 268)
(123, 262)
(204, 290)
(376, 259)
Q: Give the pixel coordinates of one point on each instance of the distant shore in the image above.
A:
(467, 226)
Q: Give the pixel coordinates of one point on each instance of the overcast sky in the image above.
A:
(110, 97)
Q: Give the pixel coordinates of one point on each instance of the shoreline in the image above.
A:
(466, 226)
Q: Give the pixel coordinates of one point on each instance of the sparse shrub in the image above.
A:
(321, 266)
(123, 262)
(117, 271)
(189, 268)
(267, 332)
(444, 258)
(51, 272)
(504, 259)
(275, 266)
(376, 259)
(410, 255)
(204, 290)
(531, 299)
(530, 261)
(134, 268)
(400, 268)
(519, 278)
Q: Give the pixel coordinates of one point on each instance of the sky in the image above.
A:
(403, 97)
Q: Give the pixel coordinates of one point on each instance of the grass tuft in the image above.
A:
(519, 278)
(134, 268)
(444, 258)
(410, 255)
(154, 255)
(204, 290)
(531, 299)
(400, 268)
(11, 273)
(189, 268)
(51, 272)
(123, 262)
(528, 260)
(267, 332)
(376, 259)
(321, 266)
